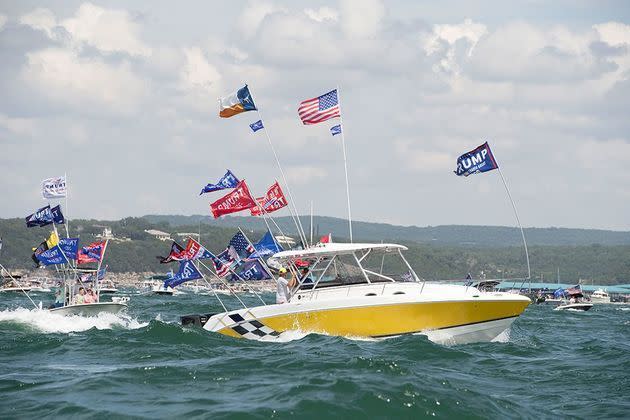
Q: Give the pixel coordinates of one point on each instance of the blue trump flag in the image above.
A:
(41, 217)
(57, 215)
(335, 129)
(187, 272)
(258, 125)
(229, 180)
(252, 270)
(52, 256)
(266, 246)
(476, 161)
(70, 247)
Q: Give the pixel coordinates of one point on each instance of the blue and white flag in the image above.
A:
(52, 256)
(187, 272)
(70, 247)
(252, 270)
(229, 180)
(258, 125)
(53, 188)
(335, 129)
(476, 161)
(41, 217)
(57, 215)
(267, 246)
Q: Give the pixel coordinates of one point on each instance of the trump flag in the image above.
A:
(238, 200)
(229, 180)
(91, 253)
(272, 201)
(476, 161)
(187, 272)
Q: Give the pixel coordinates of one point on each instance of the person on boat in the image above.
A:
(306, 278)
(58, 300)
(79, 299)
(284, 286)
(89, 297)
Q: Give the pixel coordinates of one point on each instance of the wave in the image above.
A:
(48, 322)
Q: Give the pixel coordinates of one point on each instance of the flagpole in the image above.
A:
(296, 217)
(529, 271)
(345, 162)
(311, 229)
(67, 219)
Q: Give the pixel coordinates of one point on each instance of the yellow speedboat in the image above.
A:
(342, 294)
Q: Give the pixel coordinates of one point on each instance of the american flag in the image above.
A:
(322, 108)
(241, 245)
(221, 268)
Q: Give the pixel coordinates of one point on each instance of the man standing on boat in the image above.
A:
(282, 293)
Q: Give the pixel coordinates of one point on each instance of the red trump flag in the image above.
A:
(238, 200)
(272, 201)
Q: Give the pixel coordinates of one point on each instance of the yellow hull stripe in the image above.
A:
(394, 319)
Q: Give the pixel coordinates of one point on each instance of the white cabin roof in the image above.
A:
(338, 249)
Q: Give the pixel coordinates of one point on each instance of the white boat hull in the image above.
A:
(574, 307)
(475, 333)
(90, 309)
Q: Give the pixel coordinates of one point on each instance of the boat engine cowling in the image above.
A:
(195, 320)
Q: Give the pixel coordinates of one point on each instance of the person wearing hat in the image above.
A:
(283, 292)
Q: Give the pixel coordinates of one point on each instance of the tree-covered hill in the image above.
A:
(451, 235)
(432, 260)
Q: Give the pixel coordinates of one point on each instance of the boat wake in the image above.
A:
(47, 322)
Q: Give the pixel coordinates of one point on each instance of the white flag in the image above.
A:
(54, 187)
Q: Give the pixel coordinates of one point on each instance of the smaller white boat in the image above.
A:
(108, 287)
(90, 309)
(15, 289)
(600, 296)
(157, 287)
(579, 306)
(575, 302)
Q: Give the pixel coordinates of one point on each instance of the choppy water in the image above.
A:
(145, 365)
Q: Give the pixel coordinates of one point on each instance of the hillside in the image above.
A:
(433, 260)
(451, 235)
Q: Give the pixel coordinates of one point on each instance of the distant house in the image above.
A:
(109, 235)
(158, 234)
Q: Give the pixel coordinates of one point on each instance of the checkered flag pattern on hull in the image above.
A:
(251, 329)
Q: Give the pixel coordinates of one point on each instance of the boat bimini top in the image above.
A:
(340, 264)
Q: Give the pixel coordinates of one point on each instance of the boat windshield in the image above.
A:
(356, 266)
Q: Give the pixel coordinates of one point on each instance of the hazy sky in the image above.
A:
(123, 97)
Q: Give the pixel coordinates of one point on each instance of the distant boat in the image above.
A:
(575, 302)
(578, 306)
(157, 287)
(600, 296)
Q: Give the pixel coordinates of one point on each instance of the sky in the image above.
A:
(122, 97)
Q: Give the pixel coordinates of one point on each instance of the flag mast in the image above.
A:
(66, 221)
(296, 217)
(345, 163)
(529, 271)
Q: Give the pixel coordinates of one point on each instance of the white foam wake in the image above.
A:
(48, 322)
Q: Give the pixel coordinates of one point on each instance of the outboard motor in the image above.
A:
(196, 320)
